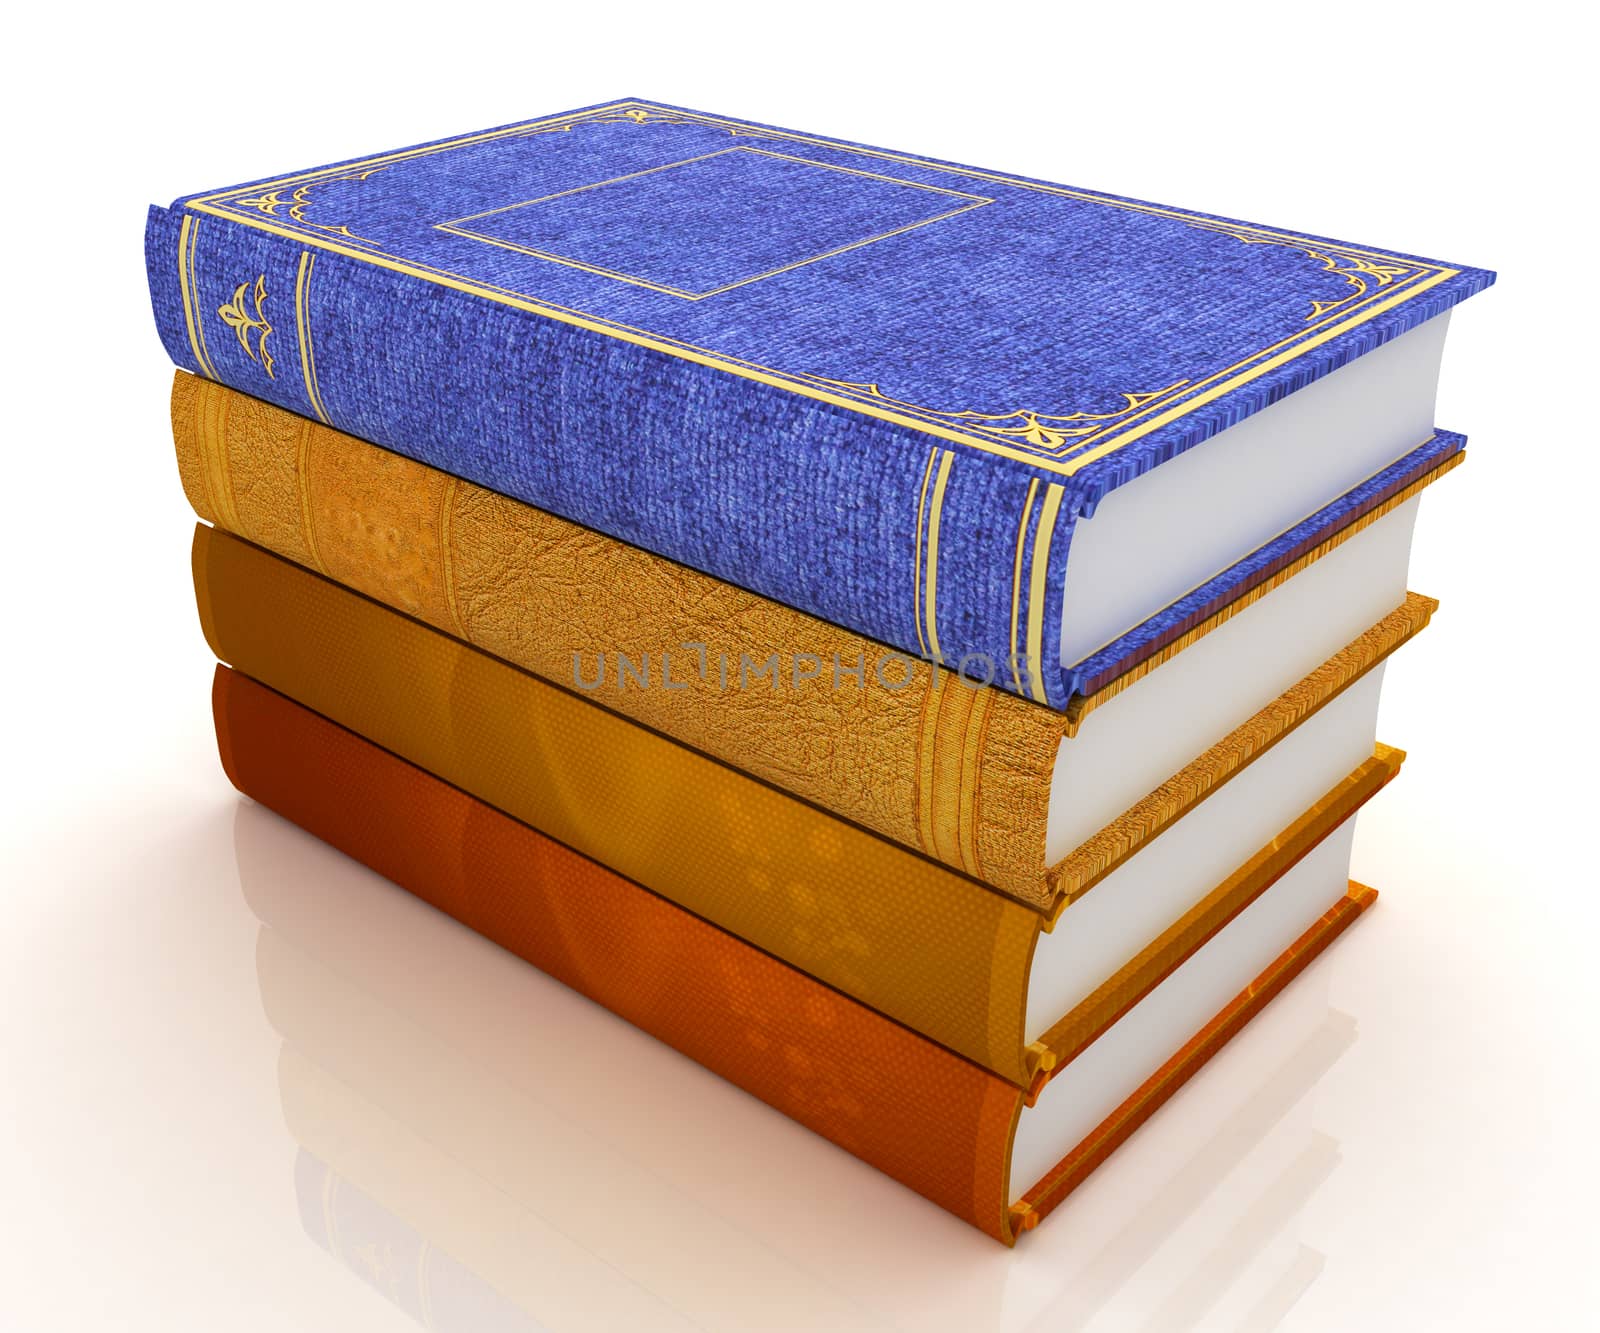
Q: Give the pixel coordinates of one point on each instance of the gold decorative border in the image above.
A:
(1027, 635)
(296, 206)
(960, 427)
(1360, 272)
(1047, 433)
(1043, 534)
(935, 477)
(454, 227)
(1016, 581)
(243, 322)
(188, 239)
(951, 729)
(302, 322)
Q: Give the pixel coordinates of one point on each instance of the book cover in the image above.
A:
(876, 387)
(962, 775)
(938, 1123)
(914, 939)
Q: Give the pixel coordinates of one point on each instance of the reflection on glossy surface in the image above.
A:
(490, 1151)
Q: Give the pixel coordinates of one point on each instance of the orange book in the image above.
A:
(1017, 990)
(941, 1124)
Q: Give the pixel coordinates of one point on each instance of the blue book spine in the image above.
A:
(939, 552)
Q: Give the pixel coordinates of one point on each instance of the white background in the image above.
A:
(146, 1164)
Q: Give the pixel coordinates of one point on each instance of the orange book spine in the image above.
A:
(931, 1119)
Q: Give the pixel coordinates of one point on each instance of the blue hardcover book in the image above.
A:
(1018, 427)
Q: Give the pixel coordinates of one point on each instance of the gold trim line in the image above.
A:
(302, 324)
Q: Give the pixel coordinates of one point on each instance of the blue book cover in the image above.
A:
(877, 387)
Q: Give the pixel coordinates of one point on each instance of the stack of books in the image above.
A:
(907, 636)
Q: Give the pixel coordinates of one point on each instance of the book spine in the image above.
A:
(949, 555)
(916, 941)
(959, 773)
(923, 1115)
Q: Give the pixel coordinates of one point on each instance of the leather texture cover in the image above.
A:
(962, 775)
(914, 940)
(874, 386)
(932, 1120)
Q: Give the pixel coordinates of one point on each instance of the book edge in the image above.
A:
(1047, 1194)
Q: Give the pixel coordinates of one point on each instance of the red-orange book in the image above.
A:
(931, 1119)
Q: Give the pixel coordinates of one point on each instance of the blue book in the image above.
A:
(1024, 429)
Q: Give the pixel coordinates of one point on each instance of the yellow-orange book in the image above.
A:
(1018, 990)
(1035, 802)
(937, 1122)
